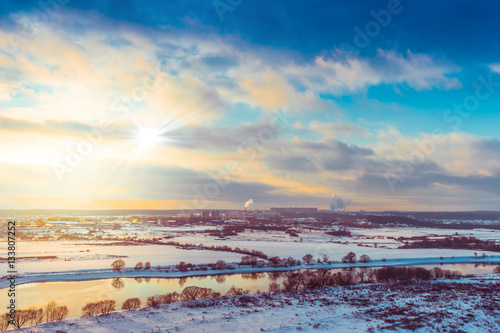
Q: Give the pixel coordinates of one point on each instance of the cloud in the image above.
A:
(311, 157)
(345, 73)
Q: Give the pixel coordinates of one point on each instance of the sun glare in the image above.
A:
(148, 137)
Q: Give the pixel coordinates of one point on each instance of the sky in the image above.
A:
(388, 105)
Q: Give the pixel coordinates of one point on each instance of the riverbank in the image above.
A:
(96, 274)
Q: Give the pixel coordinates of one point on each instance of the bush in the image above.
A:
(138, 266)
(147, 265)
(496, 270)
(131, 304)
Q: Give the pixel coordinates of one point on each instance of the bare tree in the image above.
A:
(190, 293)
(365, 258)
(22, 318)
(49, 311)
(90, 309)
(153, 301)
(106, 306)
(138, 266)
(131, 304)
(118, 265)
(308, 258)
(147, 265)
(4, 321)
(61, 312)
(169, 298)
(349, 258)
(437, 272)
(36, 316)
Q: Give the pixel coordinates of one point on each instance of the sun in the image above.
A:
(148, 137)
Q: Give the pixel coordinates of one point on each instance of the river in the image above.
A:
(78, 293)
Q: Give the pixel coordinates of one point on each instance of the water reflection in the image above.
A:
(182, 281)
(76, 294)
(219, 278)
(275, 275)
(253, 276)
(117, 283)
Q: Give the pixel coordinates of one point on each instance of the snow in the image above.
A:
(359, 308)
(73, 255)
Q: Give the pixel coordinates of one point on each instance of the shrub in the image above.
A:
(496, 270)
(147, 265)
(138, 266)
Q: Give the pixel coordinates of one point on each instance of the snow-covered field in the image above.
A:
(78, 255)
(317, 244)
(467, 305)
(342, 308)
(379, 244)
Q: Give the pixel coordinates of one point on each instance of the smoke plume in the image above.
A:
(337, 203)
(249, 204)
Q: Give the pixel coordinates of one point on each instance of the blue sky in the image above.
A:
(366, 85)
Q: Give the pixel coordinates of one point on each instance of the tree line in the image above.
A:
(454, 242)
(34, 316)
